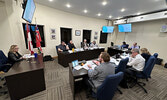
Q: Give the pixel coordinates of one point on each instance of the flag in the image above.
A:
(29, 40)
(38, 39)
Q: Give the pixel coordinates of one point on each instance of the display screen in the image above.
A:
(125, 28)
(107, 29)
(75, 63)
(29, 11)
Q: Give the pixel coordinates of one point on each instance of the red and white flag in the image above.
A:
(38, 39)
(29, 40)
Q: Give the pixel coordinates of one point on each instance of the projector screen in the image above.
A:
(29, 11)
(125, 28)
(107, 29)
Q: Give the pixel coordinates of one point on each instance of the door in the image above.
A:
(87, 35)
(66, 35)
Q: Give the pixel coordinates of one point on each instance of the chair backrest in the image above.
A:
(107, 89)
(122, 65)
(155, 55)
(149, 67)
(3, 58)
(57, 48)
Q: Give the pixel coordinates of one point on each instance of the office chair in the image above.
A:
(112, 43)
(107, 89)
(122, 65)
(4, 63)
(145, 74)
(121, 68)
(57, 49)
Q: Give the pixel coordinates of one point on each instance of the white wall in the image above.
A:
(147, 34)
(50, 18)
(5, 33)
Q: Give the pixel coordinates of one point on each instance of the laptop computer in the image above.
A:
(75, 63)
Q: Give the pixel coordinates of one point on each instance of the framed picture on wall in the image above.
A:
(77, 32)
(53, 37)
(96, 33)
(52, 31)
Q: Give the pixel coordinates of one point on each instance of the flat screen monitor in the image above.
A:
(125, 28)
(75, 63)
(29, 11)
(107, 29)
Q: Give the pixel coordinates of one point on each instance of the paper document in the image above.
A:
(78, 67)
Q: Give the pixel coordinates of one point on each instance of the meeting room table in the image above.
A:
(64, 58)
(25, 78)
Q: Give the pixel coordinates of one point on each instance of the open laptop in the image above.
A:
(75, 63)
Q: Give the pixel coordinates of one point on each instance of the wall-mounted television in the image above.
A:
(125, 28)
(107, 29)
(29, 11)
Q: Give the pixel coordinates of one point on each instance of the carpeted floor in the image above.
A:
(58, 88)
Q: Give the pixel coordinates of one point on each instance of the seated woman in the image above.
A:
(145, 54)
(13, 54)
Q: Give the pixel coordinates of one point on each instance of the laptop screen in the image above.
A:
(75, 63)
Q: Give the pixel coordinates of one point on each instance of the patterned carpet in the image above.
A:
(58, 88)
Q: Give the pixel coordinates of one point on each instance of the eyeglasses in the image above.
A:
(16, 48)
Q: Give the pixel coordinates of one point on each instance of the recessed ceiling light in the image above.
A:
(110, 16)
(68, 5)
(104, 3)
(99, 14)
(156, 0)
(138, 13)
(50, 0)
(85, 11)
(123, 9)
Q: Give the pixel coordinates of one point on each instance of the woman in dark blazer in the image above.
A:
(13, 54)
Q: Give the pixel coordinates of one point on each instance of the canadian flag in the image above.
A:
(38, 39)
(29, 40)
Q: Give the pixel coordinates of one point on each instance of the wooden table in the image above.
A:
(75, 74)
(26, 78)
(64, 58)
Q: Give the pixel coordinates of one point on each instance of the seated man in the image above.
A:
(62, 47)
(98, 75)
(136, 62)
(135, 46)
(84, 44)
(124, 45)
(71, 45)
(93, 44)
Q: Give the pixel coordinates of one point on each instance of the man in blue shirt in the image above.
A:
(135, 46)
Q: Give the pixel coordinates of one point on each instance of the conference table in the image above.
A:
(75, 74)
(26, 78)
(113, 51)
(64, 58)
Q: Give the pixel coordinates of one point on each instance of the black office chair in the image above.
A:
(112, 43)
(145, 74)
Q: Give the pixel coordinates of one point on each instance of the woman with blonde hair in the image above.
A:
(145, 54)
(13, 54)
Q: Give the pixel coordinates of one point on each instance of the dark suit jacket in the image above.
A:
(14, 57)
(83, 45)
(71, 46)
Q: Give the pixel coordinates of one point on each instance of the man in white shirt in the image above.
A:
(136, 61)
(93, 44)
